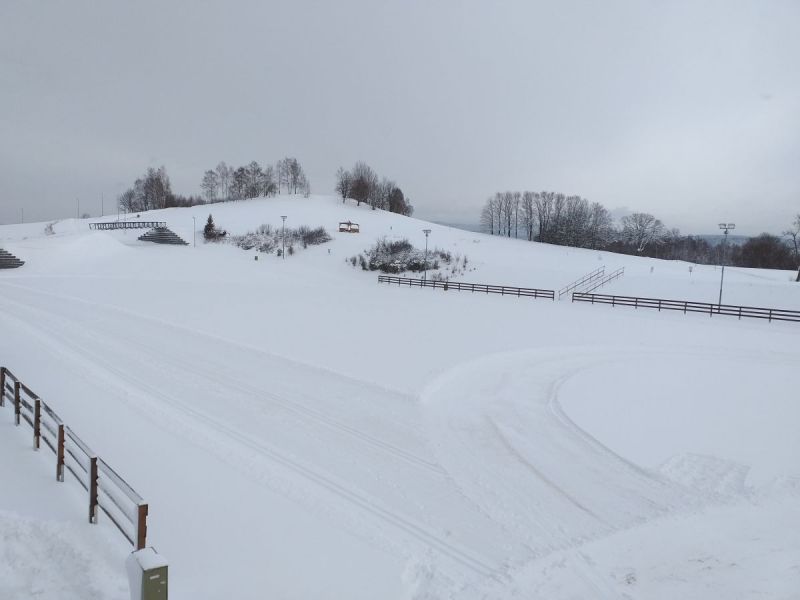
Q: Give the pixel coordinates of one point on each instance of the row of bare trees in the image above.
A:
(362, 184)
(556, 218)
(152, 191)
(252, 180)
(549, 217)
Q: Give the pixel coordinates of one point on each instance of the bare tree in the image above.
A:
(601, 226)
(528, 213)
(364, 181)
(642, 230)
(269, 185)
(344, 181)
(210, 185)
(793, 233)
(254, 180)
(127, 200)
(224, 175)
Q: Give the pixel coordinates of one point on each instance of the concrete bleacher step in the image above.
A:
(9, 261)
(162, 235)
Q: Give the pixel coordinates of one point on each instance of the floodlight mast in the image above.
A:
(726, 227)
(427, 232)
(283, 238)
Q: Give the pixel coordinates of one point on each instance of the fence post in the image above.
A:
(659, 305)
(37, 423)
(770, 316)
(16, 403)
(60, 454)
(2, 386)
(740, 313)
(636, 303)
(141, 527)
(93, 489)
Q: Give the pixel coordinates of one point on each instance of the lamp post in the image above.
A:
(283, 238)
(726, 227)
(427, 232)
(194, 232)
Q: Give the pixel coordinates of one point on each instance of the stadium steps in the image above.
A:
(9, 261)
(162, 235)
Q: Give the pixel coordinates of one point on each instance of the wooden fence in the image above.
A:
(127, 225)
(751, 312)
(107, 490)
(503, 290)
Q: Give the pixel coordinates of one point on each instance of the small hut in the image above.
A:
(349, 227)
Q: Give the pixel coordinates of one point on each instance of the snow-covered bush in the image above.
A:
(266, 239)
(399, 256)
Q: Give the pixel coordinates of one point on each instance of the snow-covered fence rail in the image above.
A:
(107, 490)
(127, 225)
(751, 312)
(585, 280)
(503, 290)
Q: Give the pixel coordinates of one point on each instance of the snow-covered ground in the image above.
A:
(303, 432)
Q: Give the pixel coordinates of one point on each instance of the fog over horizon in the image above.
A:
(689, 111)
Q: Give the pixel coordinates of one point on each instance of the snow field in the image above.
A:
(301, 431)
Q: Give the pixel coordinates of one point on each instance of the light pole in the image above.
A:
(427, 232)
(283, 237)
(194, 232)
(726, 227)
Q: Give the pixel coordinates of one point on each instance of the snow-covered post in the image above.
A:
(2, 386)
(148, 575)
(427, 232)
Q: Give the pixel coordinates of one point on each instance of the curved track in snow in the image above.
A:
(482, 477)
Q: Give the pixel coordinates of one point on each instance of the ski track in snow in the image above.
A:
(67, 335)
(532, 481)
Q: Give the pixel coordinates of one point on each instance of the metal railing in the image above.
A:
(588, 278)
(686, 306)
(107, 490)
(127, 225)
(610, 277)
(503, 290)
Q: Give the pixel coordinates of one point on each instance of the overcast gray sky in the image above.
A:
(687, 110)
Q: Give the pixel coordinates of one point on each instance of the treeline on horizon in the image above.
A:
(556, 218)
(223, 183)
(153, 189)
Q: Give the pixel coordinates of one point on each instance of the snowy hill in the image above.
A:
(303, 432)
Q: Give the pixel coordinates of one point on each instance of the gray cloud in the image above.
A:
(687, 110)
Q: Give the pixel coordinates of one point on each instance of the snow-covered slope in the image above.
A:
(303, 432)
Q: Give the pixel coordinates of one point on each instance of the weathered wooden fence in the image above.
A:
(107, 490)
(686, 306)
(503, 290)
